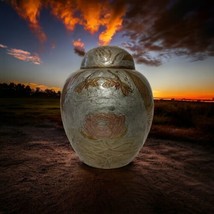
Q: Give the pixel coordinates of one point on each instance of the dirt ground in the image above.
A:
(40, 173)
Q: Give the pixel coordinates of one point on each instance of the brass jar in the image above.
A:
(107, 108)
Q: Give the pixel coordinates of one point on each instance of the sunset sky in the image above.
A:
(172, 41)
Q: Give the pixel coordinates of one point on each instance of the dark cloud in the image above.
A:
(159, 29)
(143, 57)
(79, 47)
(79, 51)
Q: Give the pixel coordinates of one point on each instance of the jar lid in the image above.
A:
(107, 57)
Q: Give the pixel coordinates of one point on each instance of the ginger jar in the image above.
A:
(107, 108)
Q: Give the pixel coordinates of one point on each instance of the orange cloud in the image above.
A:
(65, 12)
(90, 14)
(24, 55)
(30, 11)
(113, 22)
(42, 87)
(79, 47)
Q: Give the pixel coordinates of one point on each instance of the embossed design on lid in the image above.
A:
(108, 57)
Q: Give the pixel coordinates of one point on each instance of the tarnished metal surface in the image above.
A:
(107, 108)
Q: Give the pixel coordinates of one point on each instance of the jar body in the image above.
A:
(107, 114)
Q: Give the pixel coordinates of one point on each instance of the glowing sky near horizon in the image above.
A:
(40, 50)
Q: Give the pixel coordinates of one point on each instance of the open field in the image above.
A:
(40, 173)
(177, 120)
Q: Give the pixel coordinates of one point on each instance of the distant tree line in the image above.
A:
(21, 90)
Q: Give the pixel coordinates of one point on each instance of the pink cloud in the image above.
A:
(24, 55)
(3, 46)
